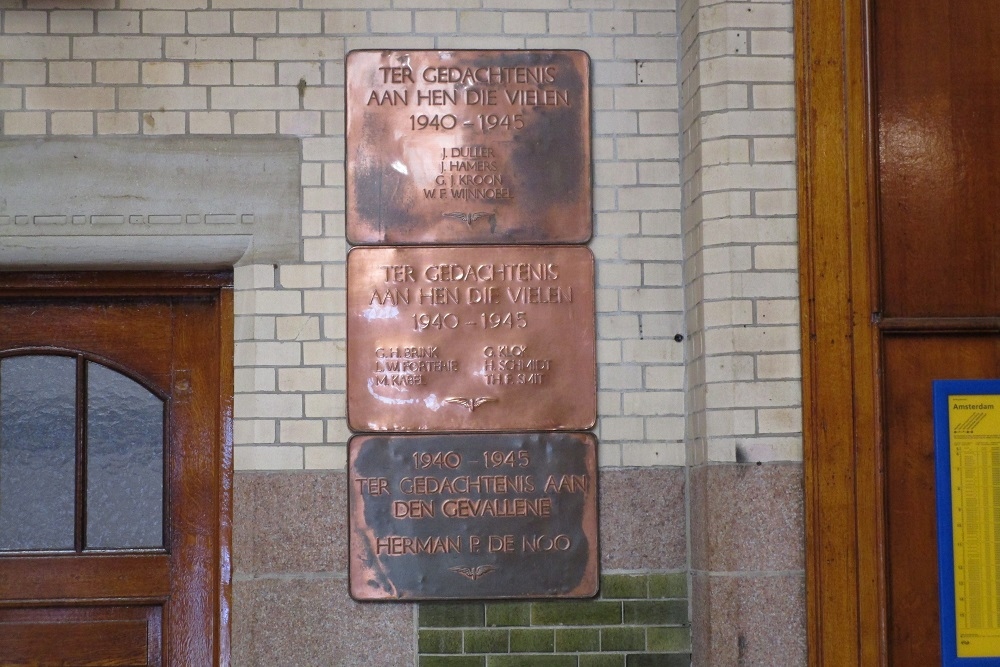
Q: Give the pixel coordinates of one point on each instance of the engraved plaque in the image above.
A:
(473, 516)
(468, 147)
(495, 338)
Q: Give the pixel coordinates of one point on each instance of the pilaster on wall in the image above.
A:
(738, 189)
(743, 373)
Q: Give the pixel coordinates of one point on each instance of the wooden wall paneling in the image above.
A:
(842, 458)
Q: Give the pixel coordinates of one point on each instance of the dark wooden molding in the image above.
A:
(224, 568)
(167, 283)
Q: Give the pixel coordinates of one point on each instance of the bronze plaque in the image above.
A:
(473, 516)
(492, 338)
(468, 147)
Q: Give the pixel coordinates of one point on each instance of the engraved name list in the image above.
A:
(471, 338)
(468, 147)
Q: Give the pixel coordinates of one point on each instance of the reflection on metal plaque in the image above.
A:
(495, 338)
(468, 147)
(473, 516)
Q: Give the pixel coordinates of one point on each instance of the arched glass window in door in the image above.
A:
(81, 457)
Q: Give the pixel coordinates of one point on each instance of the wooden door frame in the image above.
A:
(215, 285)
(845, 561)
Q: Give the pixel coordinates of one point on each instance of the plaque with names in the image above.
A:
(473, 338)
(468, 147)
(473, 516)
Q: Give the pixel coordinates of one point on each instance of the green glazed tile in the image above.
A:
(453, 661)
(448, 615)
(487, 641)
(532, 641)
(668, 585)
(623, 639)
(655, 612)
(605, 660)
(576, 613)
(658, 660)
(532, 661)
(578, 640)
(508, 614)
(623, 586)
(440, 641)
(668, 639)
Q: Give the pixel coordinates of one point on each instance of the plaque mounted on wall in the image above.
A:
(473, 516)
(473, 338)
(468, 147)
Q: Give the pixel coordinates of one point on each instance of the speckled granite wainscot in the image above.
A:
(276, 510)
(747, 561)
(290, 600)
(295, 620)
(642, 519)
(749, 621)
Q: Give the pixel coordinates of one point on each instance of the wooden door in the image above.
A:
(936, 103)
(115, 470)
(900, 155)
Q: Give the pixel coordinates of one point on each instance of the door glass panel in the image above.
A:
(37, 452)
(124, 462)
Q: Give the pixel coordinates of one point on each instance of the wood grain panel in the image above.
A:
(99, 636)
(98, 644)
(912, 362)
(937, 82)
(84, 577)
(843, 567)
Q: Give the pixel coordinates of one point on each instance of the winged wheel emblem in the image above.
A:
(470, 403)
(473, 573)
(469, 218)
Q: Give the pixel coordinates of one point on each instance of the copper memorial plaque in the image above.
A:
(473, 516)
(491, 338)
(471, 147)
